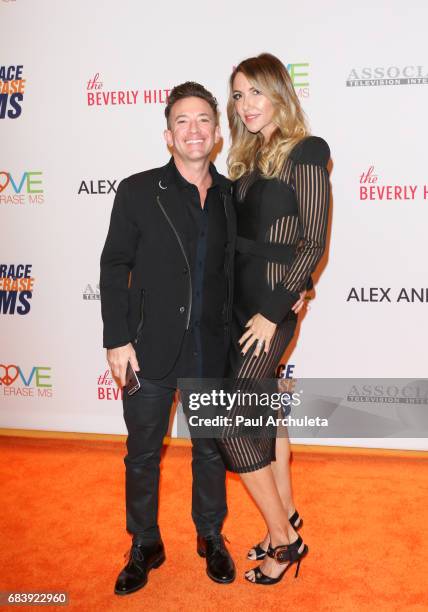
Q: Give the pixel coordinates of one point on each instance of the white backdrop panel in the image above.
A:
(146, 49)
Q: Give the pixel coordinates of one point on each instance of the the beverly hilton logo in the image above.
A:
(107, 387)
(98, 95)
(22, 187)
(384, 76)
(373, 189)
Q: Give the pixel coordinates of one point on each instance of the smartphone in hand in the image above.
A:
(132, 383)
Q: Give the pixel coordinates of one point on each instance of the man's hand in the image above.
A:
(118, 360)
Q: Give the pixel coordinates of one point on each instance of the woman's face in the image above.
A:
(253, 107)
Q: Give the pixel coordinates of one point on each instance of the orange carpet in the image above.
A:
(62, 529)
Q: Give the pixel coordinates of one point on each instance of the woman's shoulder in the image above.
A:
(311, 150)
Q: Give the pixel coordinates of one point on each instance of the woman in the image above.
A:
(282, 196)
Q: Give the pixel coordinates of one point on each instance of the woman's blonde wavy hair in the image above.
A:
(248, 151)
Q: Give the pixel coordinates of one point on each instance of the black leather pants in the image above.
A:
(147, 415)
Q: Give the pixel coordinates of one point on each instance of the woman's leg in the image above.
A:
(262, 487)
(282, 476)
(281, 471)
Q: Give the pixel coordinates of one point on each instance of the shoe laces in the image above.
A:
(217, 542)
(135, 553)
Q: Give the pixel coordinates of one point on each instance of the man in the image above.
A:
(166, 291)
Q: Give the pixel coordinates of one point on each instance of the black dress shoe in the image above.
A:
(220, 565)
(142, 558)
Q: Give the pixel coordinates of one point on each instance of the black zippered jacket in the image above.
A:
(145, 284)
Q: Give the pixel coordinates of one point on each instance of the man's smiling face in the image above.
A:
(192, 129)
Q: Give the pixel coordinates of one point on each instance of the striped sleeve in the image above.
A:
(312, 188)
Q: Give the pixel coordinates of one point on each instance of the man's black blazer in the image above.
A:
(145, 283)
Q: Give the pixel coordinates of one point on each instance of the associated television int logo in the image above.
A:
(25, 188)
(92, 292)
(16, 288)
(12, 86)
(33, 381)
(383, 76)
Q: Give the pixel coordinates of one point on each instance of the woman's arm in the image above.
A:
(311, 184)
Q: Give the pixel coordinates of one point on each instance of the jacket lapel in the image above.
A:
(230, 216)
(170, 201)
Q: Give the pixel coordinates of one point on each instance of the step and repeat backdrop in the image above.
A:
(82, 92)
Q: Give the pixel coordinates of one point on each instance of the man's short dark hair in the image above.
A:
(190, 89)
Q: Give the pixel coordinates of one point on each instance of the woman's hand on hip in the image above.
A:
(260, 330)
(297, 307)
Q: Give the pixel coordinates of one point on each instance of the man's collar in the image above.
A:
(172, 175)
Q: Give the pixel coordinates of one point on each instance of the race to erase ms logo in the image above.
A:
(16, 288)
(299, 74)
(32, 381)
(12, 89)
(373, 189)
(285, 370)
(21, 188)
(97, 94)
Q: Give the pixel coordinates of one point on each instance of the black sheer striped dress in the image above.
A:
(282, 226)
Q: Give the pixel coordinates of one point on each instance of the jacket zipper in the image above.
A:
(140, 324)
(185, 257)
(229, 292)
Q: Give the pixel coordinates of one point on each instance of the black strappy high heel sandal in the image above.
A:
(284, 553)
(295, 521)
